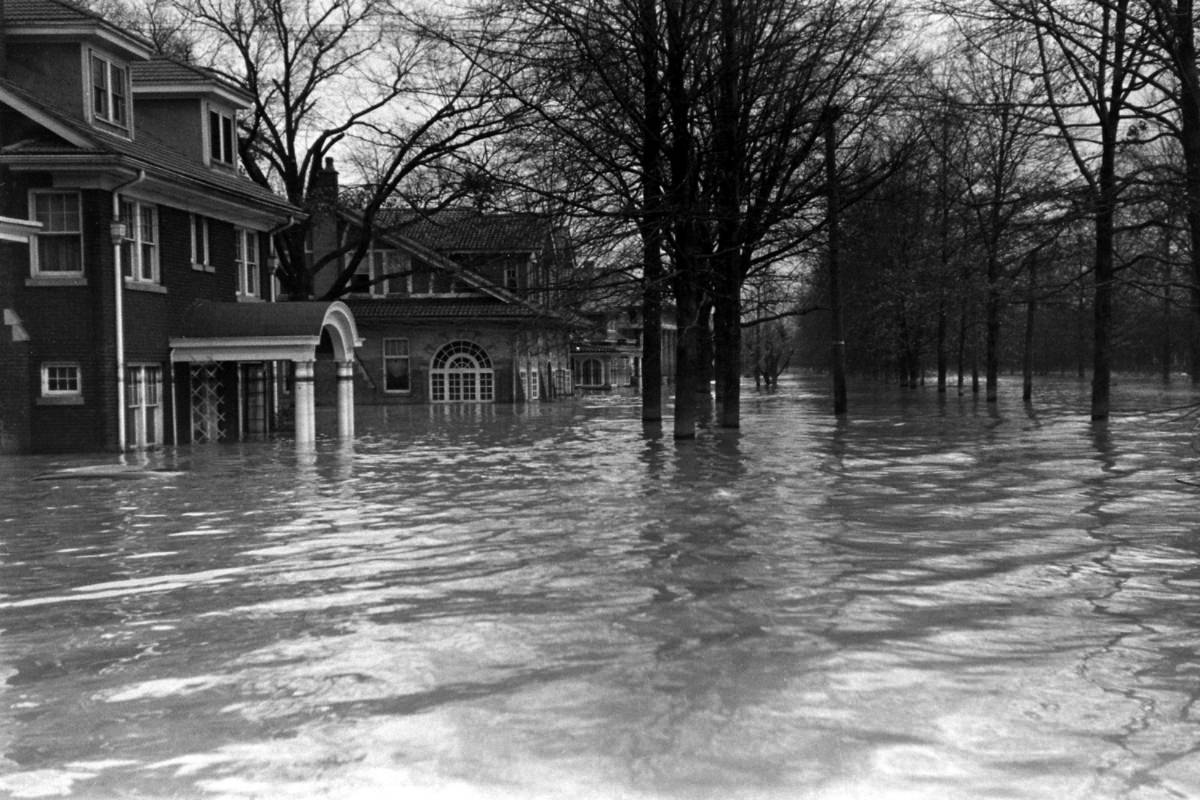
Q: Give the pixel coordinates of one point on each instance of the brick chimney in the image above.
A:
(322, 208)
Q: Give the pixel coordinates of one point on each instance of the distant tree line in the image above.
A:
(988, 185)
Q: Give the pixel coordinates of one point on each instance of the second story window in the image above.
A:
(249, 282)
(222, 142)
(200, 249)
(139, 251)
(59, 250)
(110, 92)
(390, 272)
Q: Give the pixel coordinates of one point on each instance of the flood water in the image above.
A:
(928, 600)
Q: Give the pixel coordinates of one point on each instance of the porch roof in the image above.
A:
(212, 331)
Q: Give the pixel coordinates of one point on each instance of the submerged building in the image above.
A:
(136, 267)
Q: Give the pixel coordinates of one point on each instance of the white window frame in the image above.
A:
(405, 357)
(461, 372)
(108, 97)
(221, 143)
(76, 378)
(201, 243)
(140, 248)
(247, 257)
(48, 231)
(143, 406)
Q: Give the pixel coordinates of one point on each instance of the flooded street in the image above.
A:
(929, 600)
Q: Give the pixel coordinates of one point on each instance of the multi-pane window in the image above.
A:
(590, 372)
(110, 91)
(249, 279)
(396, 373)
(201, 254)
(59, 248)
(143, 402)
(461, 372)
(61, 380)
(139, 250)
(222, 141)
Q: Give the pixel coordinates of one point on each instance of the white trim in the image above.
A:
(35, 270)
(18, 230)
(46, 391)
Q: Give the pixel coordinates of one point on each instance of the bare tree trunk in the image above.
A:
(1030, 315)
(837, 352)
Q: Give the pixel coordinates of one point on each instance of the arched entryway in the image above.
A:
(215, 334)
(461, 372)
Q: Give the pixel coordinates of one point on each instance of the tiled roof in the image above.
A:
(144, 154)
(161, 69)
(162, 72)
(430, 308)
(58, 13)
(466, 230)
(27, 11)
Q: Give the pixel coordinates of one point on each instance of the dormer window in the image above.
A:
(222, 143)
(110, 92)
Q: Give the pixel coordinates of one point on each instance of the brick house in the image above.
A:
(455, 306)
(134, 258)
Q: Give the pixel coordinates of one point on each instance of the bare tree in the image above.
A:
(350, 74)
(1090, 59)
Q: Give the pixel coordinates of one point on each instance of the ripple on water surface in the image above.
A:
(930, 599)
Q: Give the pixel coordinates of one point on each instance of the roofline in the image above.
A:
(82, 30)
(104, 161)
(42, 118)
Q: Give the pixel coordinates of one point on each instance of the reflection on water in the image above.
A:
(930, 599)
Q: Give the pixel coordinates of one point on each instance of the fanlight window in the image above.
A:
(461, 372)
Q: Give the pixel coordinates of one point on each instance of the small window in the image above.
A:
(511, 279)
(222, 142)
(110, 92)
(396, 375)
(200, 246)
(59, 250)
(139, 250)
(249, 279)
(61, 380)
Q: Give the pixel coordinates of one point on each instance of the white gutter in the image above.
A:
(119, 312)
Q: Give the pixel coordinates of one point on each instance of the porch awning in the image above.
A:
(17, 230)
(212, 331)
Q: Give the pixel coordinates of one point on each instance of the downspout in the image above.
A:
(276, 372)
(119, 309)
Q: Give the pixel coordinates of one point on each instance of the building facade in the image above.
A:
(134, 258)
(454, 307)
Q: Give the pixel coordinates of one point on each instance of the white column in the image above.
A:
(306, 404)
(345, 399)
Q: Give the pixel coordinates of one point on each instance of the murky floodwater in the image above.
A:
(928, 601)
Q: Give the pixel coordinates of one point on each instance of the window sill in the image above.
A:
(66, 400)
(140, 286)
(46, 280)
(203, 268)
(249, 298)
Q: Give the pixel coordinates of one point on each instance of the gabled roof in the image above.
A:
(64, 18)
(76, 144)
(468, 230)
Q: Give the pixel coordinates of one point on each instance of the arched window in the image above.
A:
(461, 372)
